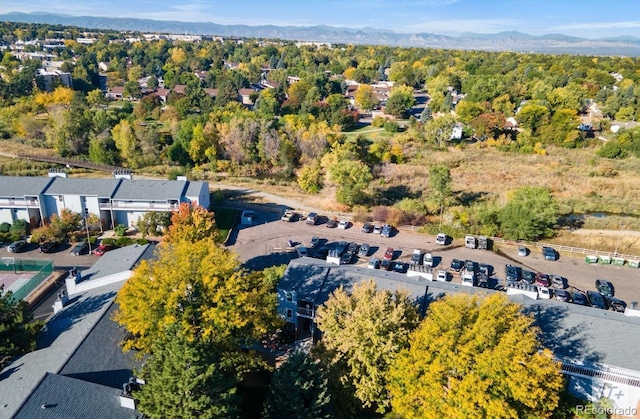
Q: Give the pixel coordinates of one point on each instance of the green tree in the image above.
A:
(17, 330)
(185, 380)
(475, 358)
(530, 214)
(352, 177)
(400, 101)
(440, 185)
(533, 116)
(365, 331)
(299, 390)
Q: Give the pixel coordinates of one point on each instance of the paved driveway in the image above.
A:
(265, 244)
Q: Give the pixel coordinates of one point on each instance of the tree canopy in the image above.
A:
(475, 357)
(18, 331)
(364, 332)
(530, 214)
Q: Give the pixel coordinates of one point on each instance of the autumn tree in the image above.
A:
(473, 357)
(185, 380)
(299, 389)
(364, 332)
(400, 101)
(366, 98)
(310, 177)
(198, 287)
(191, 223)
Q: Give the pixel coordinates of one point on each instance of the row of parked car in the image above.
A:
(51, 246)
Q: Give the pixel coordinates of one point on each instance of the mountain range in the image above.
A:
(503, 41)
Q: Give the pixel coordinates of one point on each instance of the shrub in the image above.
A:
(108, 240)
(391, 126)
(142, 242)
(378, 122)
(4, 237)
(20, 227)
(120, 230)
(123, 241)
(4, 227)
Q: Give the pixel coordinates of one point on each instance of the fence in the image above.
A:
(42, 268)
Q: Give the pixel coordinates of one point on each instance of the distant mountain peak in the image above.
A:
(502, 41)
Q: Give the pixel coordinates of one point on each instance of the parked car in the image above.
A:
(48, 247)
(544, 293)
(512, 273)
(456, 265)
(528, 277)
(352, 249)
(315, 241)
(17, 246)
(442, 276)
(311, 218)
(522, 251)
(341, 247)
(367, 228)
(616, 304)
(543, 280)
(386, 231)
(559, 282)
(441, 238)
(604, 287)
(485, 269)
(322, 252)
(386, 264)
(580, 299)
(416, 257)
(549, 253)
(346, 259)
(597, 300)
(388, 254)
(364, 250)
(427, 260)
(563, 295)
(399, 267)
(374, 263)
(332, 224)
(288, 216)
(343, 224)
(79, 249)
(377, 229)
(302, 251)
(102, 249)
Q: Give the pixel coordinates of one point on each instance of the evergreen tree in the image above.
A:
(299, 390)
(185, 380)
(17, 331)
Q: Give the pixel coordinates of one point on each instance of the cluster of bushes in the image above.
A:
(124, 241)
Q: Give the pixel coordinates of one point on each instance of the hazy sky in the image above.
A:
(585, 18)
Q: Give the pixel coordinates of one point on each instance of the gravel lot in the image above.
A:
(265, 244)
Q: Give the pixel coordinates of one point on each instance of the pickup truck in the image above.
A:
(428, 260)
(288, 216)
(470, 242)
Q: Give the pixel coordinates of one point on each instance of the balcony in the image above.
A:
(19, 203)
(138, 206)
(306, 312)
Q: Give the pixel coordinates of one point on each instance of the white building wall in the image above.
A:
(6, 215)
(74, 203)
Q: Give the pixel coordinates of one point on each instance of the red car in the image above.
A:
(102, 249)
(388, 255)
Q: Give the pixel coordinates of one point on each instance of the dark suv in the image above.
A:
(604, 287)
(597, 300)
(512, 273)
(549, 253)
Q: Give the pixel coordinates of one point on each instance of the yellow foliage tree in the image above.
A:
(191, 223)
(474, 358)
(197, 287)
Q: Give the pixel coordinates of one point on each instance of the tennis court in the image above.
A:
(21, 276)
(13, 282)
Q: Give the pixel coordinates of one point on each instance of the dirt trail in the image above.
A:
(612, 233)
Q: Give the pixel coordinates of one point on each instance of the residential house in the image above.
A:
(179, 89)
(201, 75)
(78, 368)
(592, 345)
(211, 92)
(456, 132)
(511, 124)
(115, 93)
(104, 66)
(163, 94)
(245, 96)
(53, 79)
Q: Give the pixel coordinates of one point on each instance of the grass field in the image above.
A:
(225, 220)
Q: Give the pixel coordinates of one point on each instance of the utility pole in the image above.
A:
(86, 226)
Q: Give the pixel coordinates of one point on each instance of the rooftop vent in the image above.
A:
(122, 174)
(55, 172)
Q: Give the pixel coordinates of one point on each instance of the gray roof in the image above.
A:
(150, 190)
(100, 358)
(70, 398)
(21, 186)
(62, 336)
(116, 261)
(194, 188)
(576, 334)
(102, 188)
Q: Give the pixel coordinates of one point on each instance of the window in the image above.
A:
(288, 296)
(289, 313)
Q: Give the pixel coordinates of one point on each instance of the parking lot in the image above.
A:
(265, 244)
